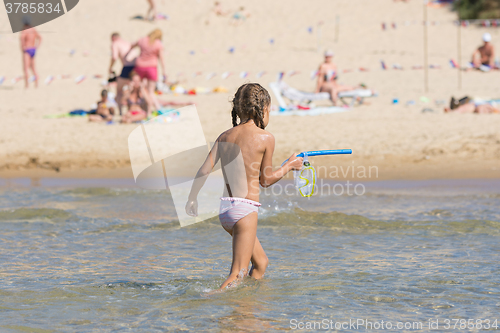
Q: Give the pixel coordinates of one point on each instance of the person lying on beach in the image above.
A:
(103, 112)
(239, 206)
(240, 16)
(327, 78)
(136, 99)
(485, 54)
(30, 42)
(218, 10)
(471, 107)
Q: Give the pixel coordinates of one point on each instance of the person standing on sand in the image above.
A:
(146, 65)
(327, 78)
(120, 49)
(151, 15)
(30, 42)
(485, 54)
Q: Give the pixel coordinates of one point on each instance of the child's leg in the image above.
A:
(125, 118)
(244, 236)
(137, 117)
(153, 101)
(95, 117)
(120, 83)
(259, 261)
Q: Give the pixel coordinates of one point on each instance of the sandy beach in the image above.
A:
(402, 235)
(400, 140)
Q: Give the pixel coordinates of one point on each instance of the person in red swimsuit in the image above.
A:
(146, 65)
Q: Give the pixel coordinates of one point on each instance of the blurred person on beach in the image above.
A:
(136, 100)
(104, 112)
(327, 78)
(146, 64)
(30, 42)
(471, 107)
(240, 204)
(120, 49)
(239, 16)
(485, 54)
(151, 14)
(217, 10)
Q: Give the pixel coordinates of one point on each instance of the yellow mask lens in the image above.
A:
(305, 181)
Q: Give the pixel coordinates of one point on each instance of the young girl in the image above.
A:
(135, 98)
(238, 213)
(104, 112)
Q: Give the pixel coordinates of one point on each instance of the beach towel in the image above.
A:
(281, 89)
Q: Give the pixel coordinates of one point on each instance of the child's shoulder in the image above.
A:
(266, 135)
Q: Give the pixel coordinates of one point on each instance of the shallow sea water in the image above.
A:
(114, 258)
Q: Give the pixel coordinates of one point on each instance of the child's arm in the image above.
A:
(125, 95)
(199, 181)
(267, 176)
(321, 78)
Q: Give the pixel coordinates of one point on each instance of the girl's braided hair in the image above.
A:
(249, 103)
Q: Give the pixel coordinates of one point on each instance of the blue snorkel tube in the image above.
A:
(324, 152)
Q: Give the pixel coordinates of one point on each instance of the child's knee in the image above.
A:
(263, 262)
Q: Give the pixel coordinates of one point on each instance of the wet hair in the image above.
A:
(104, 93)
(249, 103)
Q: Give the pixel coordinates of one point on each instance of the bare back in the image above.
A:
(29, 38)
(120, 49)
(252, 142)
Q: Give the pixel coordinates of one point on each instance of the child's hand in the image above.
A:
(192, 208)
(295, 162)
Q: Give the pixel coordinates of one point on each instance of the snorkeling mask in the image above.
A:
(305, 179)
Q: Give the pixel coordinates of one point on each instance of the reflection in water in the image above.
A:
(83, 259)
